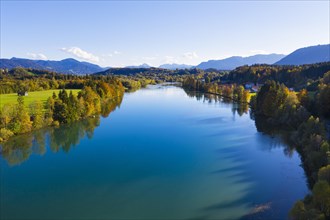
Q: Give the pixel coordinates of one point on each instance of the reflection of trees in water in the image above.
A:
(194, 94)
(69, 135)
(238, 108)
(110, 105)
(39, 143)
(19, 148)
(282, 136)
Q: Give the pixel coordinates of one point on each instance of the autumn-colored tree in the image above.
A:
(49, 111)
(63, 95)
(6, 114)
(324, 173)
(73, 111)
(321, 197)
(92, 101)
(303, 98)
(36, 112)
(21, 120)
(60, 111)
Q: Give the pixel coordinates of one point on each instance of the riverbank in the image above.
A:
(303, 117)
(59, 108)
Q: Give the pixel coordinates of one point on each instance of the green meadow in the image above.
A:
(32, 96)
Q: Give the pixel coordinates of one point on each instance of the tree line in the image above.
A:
(298, 77)
(60, 108)
(233, 92)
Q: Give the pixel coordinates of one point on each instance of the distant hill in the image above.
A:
(152, 71)
(236, 61)
(139, 66)
(174, 66)
(307, 55)
(68, 66)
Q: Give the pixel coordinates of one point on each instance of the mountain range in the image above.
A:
(236, 61)
(168, 66)
(307, 55)
(174, 66)
(68, 66)
(144, 65)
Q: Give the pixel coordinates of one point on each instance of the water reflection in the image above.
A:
(237, 108)
(19, 148)
(281, 137)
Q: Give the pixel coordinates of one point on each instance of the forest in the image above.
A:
(298, 77)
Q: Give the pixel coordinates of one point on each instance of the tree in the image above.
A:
(321, 197)
(246, 96)
(303, 98)
(326, 78)
(49, 110)
(239, 93)
(92, 101)
(36, 109)
(60, 111)
(5, 134)
(6, 115)
(63, 95)
(73, 111)
(324, 100)
(21, 121)
(324, 173)
(298, 211)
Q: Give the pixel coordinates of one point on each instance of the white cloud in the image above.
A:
(79, 53)
(116, 52)
(37, 56)
(190, 55)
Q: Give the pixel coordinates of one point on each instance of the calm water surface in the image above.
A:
(161, 155)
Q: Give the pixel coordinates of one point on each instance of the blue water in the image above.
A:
(160, 155)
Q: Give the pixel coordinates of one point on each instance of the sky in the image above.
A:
(121, 33)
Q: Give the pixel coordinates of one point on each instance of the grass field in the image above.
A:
(32, 96)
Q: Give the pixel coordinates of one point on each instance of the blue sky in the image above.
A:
(114, 33)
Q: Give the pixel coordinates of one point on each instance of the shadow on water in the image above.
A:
(258, 208)
(19, 148)
(239, 176)
(214, 120)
